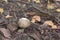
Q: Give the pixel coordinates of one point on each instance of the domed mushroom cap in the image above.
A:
(24, 23)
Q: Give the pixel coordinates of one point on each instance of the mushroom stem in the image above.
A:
(33, 20)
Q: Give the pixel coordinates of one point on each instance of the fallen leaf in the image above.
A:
(8, 16)
(21, 30)
(1, 10)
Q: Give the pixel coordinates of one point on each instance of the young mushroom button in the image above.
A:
(24, 22)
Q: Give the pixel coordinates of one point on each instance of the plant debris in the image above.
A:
(29, 19)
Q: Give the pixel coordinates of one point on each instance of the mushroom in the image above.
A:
(36, 18)
(50, 23)
(24, 22)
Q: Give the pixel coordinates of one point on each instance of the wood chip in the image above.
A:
(5, 32)
(8, 16)
(12, 26)
(30, 13)
(1, 21)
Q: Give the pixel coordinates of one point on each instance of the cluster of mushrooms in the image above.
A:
(24, 22)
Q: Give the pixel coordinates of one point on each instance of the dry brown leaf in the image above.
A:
(8, 16)
(36, 18)
(58, 10)
(1, 10)
(49, 23)
(21, 30)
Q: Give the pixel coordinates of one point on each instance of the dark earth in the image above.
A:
(9, 29)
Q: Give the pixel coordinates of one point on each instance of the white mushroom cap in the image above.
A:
(24, 22)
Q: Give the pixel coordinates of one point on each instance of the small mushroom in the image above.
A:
(24, 22)
(50, 23)
(36, 18)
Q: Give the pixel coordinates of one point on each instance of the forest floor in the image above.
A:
(44, 16)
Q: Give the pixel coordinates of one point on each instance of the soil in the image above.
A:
(9, 29)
